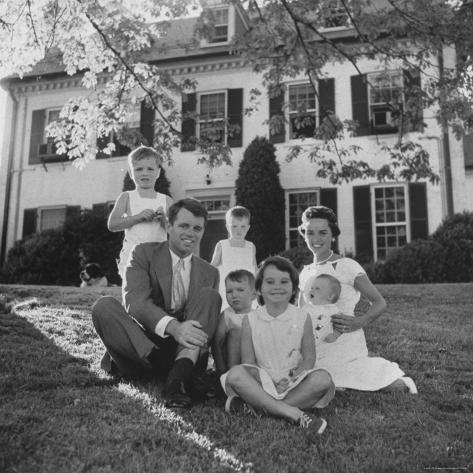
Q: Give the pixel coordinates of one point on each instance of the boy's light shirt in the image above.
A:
(160, 328)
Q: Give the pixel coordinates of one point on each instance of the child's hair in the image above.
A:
(240, 275)
(143, 152)
(195, 207)
(238, 211)
(335, 285)
(283, 264)
(320, 211)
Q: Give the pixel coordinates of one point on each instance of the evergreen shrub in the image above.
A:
(57, 256)
(259, 190)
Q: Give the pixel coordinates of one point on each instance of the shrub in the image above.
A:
(299, 256)
(259, 190)
(455, 236)
(56, 256)
(421, 261)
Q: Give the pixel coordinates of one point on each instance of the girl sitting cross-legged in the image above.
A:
(278, 355)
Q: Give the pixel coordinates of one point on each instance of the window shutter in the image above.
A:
(326, 98)
(101, 143)
(363, 223)
(235, 117)
(101, 209)
(468, 150)
(413, 100)
(147, 123)
(359, 100)
(328, 197)
(418, 209)
(189, 103)
(276, 104)
(72, 211)
(38, 124)
(30, 217)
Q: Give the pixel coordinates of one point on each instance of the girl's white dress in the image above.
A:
(234, 257)
(346, 359)
(277, 344)
(143, 232)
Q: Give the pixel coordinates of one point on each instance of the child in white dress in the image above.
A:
(321, 293)
(235, 252)
(226, 347)
(141, 213)
(278, 355)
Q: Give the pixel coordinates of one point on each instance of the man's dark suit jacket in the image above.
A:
(147, 288)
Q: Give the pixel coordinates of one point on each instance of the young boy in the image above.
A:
(235, 252)
(240, 293)
(321, 292)
(141, 213)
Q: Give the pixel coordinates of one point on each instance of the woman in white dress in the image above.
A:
(347, 358)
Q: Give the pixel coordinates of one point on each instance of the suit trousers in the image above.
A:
(128, 344)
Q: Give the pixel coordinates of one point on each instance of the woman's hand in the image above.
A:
(346, 323)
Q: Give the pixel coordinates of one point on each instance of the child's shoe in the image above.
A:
(236, 405)
(313, 425)
(411, 386)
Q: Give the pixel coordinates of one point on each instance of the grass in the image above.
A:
(60, 413)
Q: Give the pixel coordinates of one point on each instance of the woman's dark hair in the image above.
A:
(283, 264)
(320, 211)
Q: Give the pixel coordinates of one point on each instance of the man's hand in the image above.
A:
(189, 333)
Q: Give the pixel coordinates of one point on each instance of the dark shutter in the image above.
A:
(189, 102)
(235, 117)
(413, 100)
(359, 100)
(468, 150)
(326, 98)
(147, 124)
(101, 144)
(363, 223)
(30, 217)
(101, 209)
(418, 209)
(276, 104)
(38, 123)
(328, 197)
(72, 211)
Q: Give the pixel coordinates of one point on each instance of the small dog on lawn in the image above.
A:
(92, 275)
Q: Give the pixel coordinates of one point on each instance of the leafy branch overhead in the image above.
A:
(117, 49)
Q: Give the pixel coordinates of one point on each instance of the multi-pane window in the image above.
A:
(297, 203)
(336, 15)
(47, 147)
(302, 111)
(385, 97)
(220, 16)
(391, 219)
(51, 218)
(212, 117)
(216, 206)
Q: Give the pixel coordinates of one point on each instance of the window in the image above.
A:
(297, 203)
(212, 113)
(51, 218)
(302, 111)
(385, 99)
(216, 206)
(391, 219)
(220, 18)
(335, 15)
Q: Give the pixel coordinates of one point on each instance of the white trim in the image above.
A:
(287, 193)
(225, 117)
(40, 211)
(374, 224)
(287, 111)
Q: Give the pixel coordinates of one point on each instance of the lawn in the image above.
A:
(60, 413)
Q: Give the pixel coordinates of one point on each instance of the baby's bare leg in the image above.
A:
(233, 348)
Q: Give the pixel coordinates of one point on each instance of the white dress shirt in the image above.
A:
(186, 276)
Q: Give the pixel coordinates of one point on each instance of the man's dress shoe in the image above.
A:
(176, 395)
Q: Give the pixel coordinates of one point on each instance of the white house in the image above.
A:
(38, 188)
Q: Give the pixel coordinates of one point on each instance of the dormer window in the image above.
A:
(220, 17)
(336, 15)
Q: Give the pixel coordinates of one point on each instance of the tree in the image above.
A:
(121, 40)
(258, 189)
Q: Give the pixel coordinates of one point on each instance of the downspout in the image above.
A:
(11, 153)
(447, 160)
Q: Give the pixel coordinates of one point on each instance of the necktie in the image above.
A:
(178, 289)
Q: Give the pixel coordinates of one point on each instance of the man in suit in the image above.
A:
(170, 308)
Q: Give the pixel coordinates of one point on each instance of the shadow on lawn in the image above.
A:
(57, 415)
